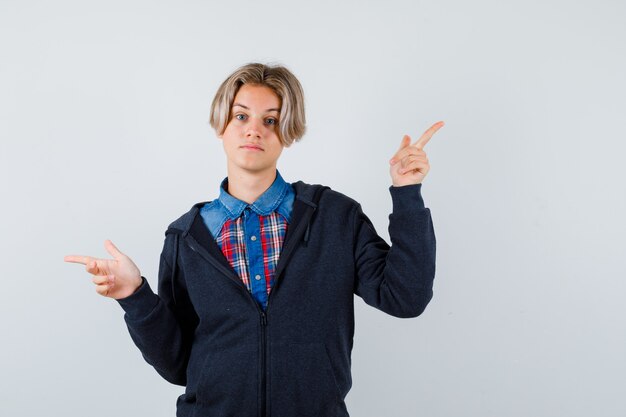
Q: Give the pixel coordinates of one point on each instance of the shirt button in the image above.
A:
(253, 238)
(257, 277)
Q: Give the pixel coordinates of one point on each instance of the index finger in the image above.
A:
(423, 140)
(79, 259)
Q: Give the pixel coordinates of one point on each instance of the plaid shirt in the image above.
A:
(251, 235)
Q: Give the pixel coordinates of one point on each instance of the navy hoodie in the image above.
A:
(205, 331)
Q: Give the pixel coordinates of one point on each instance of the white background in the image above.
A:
(104, 135)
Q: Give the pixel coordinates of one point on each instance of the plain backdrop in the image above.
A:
(104, 135)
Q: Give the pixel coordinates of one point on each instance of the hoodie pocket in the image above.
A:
(229, 381)
(303, 382)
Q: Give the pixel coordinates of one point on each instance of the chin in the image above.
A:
(253, 167)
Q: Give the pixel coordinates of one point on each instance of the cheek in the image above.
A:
(278, 150)
(231, 134)
(230, 129)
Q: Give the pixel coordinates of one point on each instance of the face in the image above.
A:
(251, 138)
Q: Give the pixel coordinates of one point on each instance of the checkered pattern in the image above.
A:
(231, 241)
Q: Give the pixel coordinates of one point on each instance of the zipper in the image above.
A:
(263, 365)
(263, 353)
(286, 251)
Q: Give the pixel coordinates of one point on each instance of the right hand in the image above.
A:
(116, 278)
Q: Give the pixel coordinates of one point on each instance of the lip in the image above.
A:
(252, 147)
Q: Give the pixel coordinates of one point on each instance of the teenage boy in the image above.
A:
(255, 305)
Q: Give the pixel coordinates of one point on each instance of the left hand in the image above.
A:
(410, 165)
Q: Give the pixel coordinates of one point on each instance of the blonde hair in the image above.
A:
(291, 122)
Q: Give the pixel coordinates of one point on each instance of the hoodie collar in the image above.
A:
(265, 204)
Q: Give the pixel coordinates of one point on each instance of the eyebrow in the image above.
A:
(248, 108)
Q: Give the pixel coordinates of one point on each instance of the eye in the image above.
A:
(239, 114)
(271, 121)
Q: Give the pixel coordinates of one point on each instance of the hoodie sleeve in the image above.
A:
(398, 279)
(160, 328)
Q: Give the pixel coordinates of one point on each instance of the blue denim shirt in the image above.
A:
(278, 197)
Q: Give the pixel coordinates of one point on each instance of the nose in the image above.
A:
(253, 130)
(253, 133)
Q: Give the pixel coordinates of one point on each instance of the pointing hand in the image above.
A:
(116, 278)
(410, 165)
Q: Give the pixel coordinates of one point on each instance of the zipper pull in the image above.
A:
(263, 319)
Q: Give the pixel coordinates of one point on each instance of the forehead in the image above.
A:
(256, 96)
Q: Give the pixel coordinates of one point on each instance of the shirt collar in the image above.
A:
(265, 204)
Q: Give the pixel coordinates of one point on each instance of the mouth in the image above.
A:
(252, 147)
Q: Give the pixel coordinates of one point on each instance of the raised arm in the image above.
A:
(398, 279)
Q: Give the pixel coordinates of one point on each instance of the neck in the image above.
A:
(248, 186)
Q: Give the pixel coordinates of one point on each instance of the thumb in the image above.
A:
(406, 140)
(112, 249)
